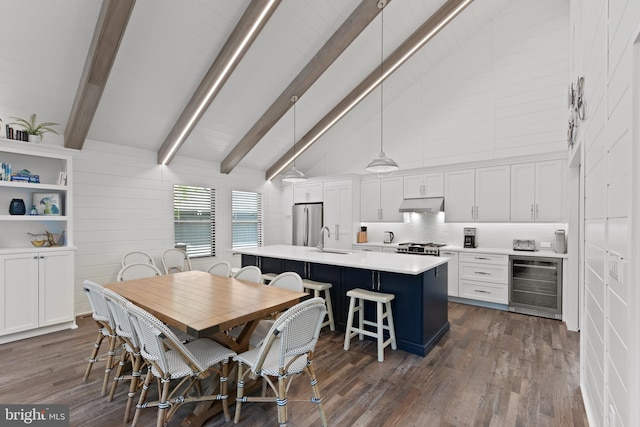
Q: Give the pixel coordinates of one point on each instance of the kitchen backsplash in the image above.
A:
(432, 228)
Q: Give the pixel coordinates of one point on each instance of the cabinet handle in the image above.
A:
(537, 211)
(472, 211)
(482, 257)
(482, 273)
(378, 281)
(532, 214)
(373, 280)
(480, 291)
(337, 232)
(476, 218)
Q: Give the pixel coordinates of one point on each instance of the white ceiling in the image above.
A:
(169, 46)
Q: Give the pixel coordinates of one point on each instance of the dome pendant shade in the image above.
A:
(294, 176)
(382, 165)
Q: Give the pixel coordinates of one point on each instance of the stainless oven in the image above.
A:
(535, 286)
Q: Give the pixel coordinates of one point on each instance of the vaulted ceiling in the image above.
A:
(168, 47)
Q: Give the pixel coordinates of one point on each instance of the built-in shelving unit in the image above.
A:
(36, 283)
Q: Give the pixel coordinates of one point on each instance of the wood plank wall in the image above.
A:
(603, 51)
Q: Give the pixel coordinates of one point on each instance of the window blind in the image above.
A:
(194, 219)
(246, 219)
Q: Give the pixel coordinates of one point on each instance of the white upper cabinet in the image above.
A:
(493, 194)
(537, 191)
(307, 193)
(340, 213)
(459, 196)
(380, 200)
(426, 185)
(481, 195)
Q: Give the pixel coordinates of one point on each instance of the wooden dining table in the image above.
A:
(205, 305)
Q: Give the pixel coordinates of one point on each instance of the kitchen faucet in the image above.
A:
(321, 244)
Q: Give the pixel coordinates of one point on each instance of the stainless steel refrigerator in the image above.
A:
(307, 223)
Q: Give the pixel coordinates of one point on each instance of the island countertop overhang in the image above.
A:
(389, 262)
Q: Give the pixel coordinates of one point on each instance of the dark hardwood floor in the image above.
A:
(493, 368)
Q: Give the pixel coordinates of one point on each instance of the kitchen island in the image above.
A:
(419, 284)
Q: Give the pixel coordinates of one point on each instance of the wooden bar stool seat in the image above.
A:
(356, 304)
(317, 287)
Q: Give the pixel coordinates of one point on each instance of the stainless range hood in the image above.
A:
(427, 204)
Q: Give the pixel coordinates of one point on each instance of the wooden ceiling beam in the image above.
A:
(243, 35)
(109, 31)
(362, 15)
(408, 48)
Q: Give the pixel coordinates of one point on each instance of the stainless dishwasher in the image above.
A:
(535, 286)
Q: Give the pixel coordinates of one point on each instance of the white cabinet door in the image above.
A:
(338, 215)
(391, 196)
(370, 200)
(452, 271)
(307, 193)
(19, 292)
(459, 195)
(433, 185)
(428, 185)
(549, 191)
(537, 191)
(413, 186)
(493, 194)
(523, 178)
(55, 271)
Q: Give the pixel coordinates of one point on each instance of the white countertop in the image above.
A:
(502, 251)
(379, 261)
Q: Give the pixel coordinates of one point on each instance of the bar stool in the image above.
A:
(316, 287)
(360, 295)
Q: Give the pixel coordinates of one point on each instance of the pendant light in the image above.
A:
(382, 165)
(294, 175)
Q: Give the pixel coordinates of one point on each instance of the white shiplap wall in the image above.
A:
(502, 93)
(124, 201)
(603, 51)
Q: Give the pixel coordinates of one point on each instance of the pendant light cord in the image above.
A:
(294, 99)
(382, 3)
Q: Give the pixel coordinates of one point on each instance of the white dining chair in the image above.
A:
(137, 257)
(137, 271)
(286, 352)
(175, 260)
(169, 359)
(250, 273)
(220, 268)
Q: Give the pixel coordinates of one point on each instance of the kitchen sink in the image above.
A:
(331, 251)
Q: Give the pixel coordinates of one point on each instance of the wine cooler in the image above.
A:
(535, 286)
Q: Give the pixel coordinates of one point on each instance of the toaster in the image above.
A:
(524, 245)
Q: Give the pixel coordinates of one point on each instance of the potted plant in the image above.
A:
(34, 129)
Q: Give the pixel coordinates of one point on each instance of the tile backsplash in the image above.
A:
(432, 228)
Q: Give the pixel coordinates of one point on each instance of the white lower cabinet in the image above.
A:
(36, 293)
(484, 277)
(452, 271)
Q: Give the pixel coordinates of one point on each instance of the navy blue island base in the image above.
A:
(420, 310)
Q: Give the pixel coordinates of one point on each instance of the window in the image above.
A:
(194, 219)
(246, 219)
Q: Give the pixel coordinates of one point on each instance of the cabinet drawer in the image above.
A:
(480, 258)
(484, 272)
(484, 292)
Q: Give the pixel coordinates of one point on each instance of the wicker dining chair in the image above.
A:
(137, 257)
(124, 329)
(175, 260)
(138, 271)
(169, 359)
(220, 268)
(250, 273)
(106, 329)
(286, 352)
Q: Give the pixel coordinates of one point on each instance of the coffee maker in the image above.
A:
(470, 238)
